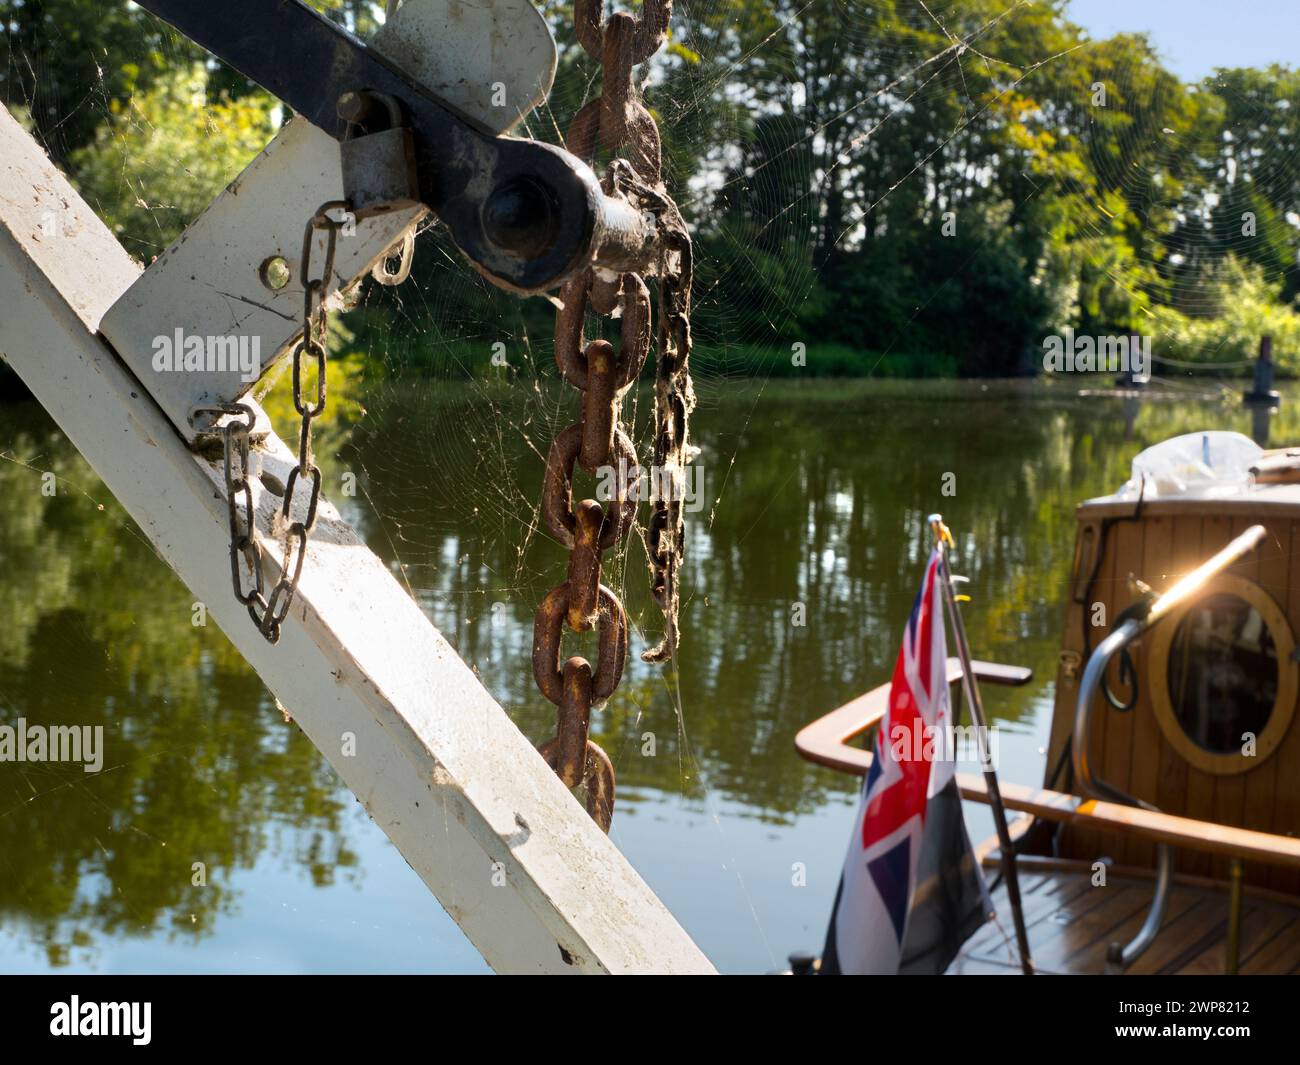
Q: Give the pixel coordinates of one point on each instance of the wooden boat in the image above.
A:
(1162, 838)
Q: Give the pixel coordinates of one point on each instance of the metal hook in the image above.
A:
(380, 271)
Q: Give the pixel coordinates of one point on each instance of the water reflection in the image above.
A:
(1261, 421)
(815, 495)
(199, 767)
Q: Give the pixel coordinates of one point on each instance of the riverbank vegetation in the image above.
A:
(892, 188)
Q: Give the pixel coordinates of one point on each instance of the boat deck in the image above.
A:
(1071, 924)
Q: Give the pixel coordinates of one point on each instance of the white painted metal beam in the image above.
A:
(438, 764)
(494, 60)
(209, 282)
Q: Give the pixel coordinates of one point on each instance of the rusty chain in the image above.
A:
(612, 121)
(268, 613)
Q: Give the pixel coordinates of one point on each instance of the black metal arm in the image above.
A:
(527, 214)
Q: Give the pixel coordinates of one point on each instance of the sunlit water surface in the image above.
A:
(813, 494)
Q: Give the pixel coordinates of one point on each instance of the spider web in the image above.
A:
(488, 553)
(447, 449)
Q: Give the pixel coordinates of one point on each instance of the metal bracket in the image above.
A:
(528, 215)
(212, 293)
(213, 283)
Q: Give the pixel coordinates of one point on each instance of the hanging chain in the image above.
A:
(614, 120)
(674, 401)
(237, 468)
(268, 614)
(313, 346)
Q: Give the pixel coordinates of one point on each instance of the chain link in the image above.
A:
(268, 613)
(673, 452)
(237, 468)
(613, 121)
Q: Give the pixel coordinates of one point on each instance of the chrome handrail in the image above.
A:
(1120, 956)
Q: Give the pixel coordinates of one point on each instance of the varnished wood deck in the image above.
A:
(1071, 924)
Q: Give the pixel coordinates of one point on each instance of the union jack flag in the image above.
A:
(909, 828)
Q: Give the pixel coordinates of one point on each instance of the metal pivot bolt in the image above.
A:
(521, 217)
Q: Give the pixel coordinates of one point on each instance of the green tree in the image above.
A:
(164, 153)
(65, 60)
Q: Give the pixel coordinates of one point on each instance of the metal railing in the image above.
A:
(1121, 955)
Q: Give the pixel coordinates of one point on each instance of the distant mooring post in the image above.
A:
(1262, 399)
(1130, 383)
(1130, 376)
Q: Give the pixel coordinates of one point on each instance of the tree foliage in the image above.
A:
(956, 179)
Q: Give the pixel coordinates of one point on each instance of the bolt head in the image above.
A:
(521, 217)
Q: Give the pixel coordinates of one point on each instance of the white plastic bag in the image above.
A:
(1207, 464)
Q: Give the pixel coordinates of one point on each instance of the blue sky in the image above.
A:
(1195, 36)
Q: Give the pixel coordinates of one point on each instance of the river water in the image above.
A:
(811, 509)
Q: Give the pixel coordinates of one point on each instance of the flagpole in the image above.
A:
(943, 538)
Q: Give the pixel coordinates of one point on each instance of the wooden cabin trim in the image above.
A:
(1203, 837)
(1280, 717)
(1267, 800)
(1265, 501)
(826, 741)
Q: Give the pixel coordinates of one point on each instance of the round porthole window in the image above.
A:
(1224, 677)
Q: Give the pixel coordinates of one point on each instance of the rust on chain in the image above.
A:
(674, 401)
(614, 122)
(634, 332)
(597, 776)
(584, 566)
(619, 514)
(611, 628)
(599, 406)
(574, 722)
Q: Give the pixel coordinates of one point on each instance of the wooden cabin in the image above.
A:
(1221, 667)
(1194, 744)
